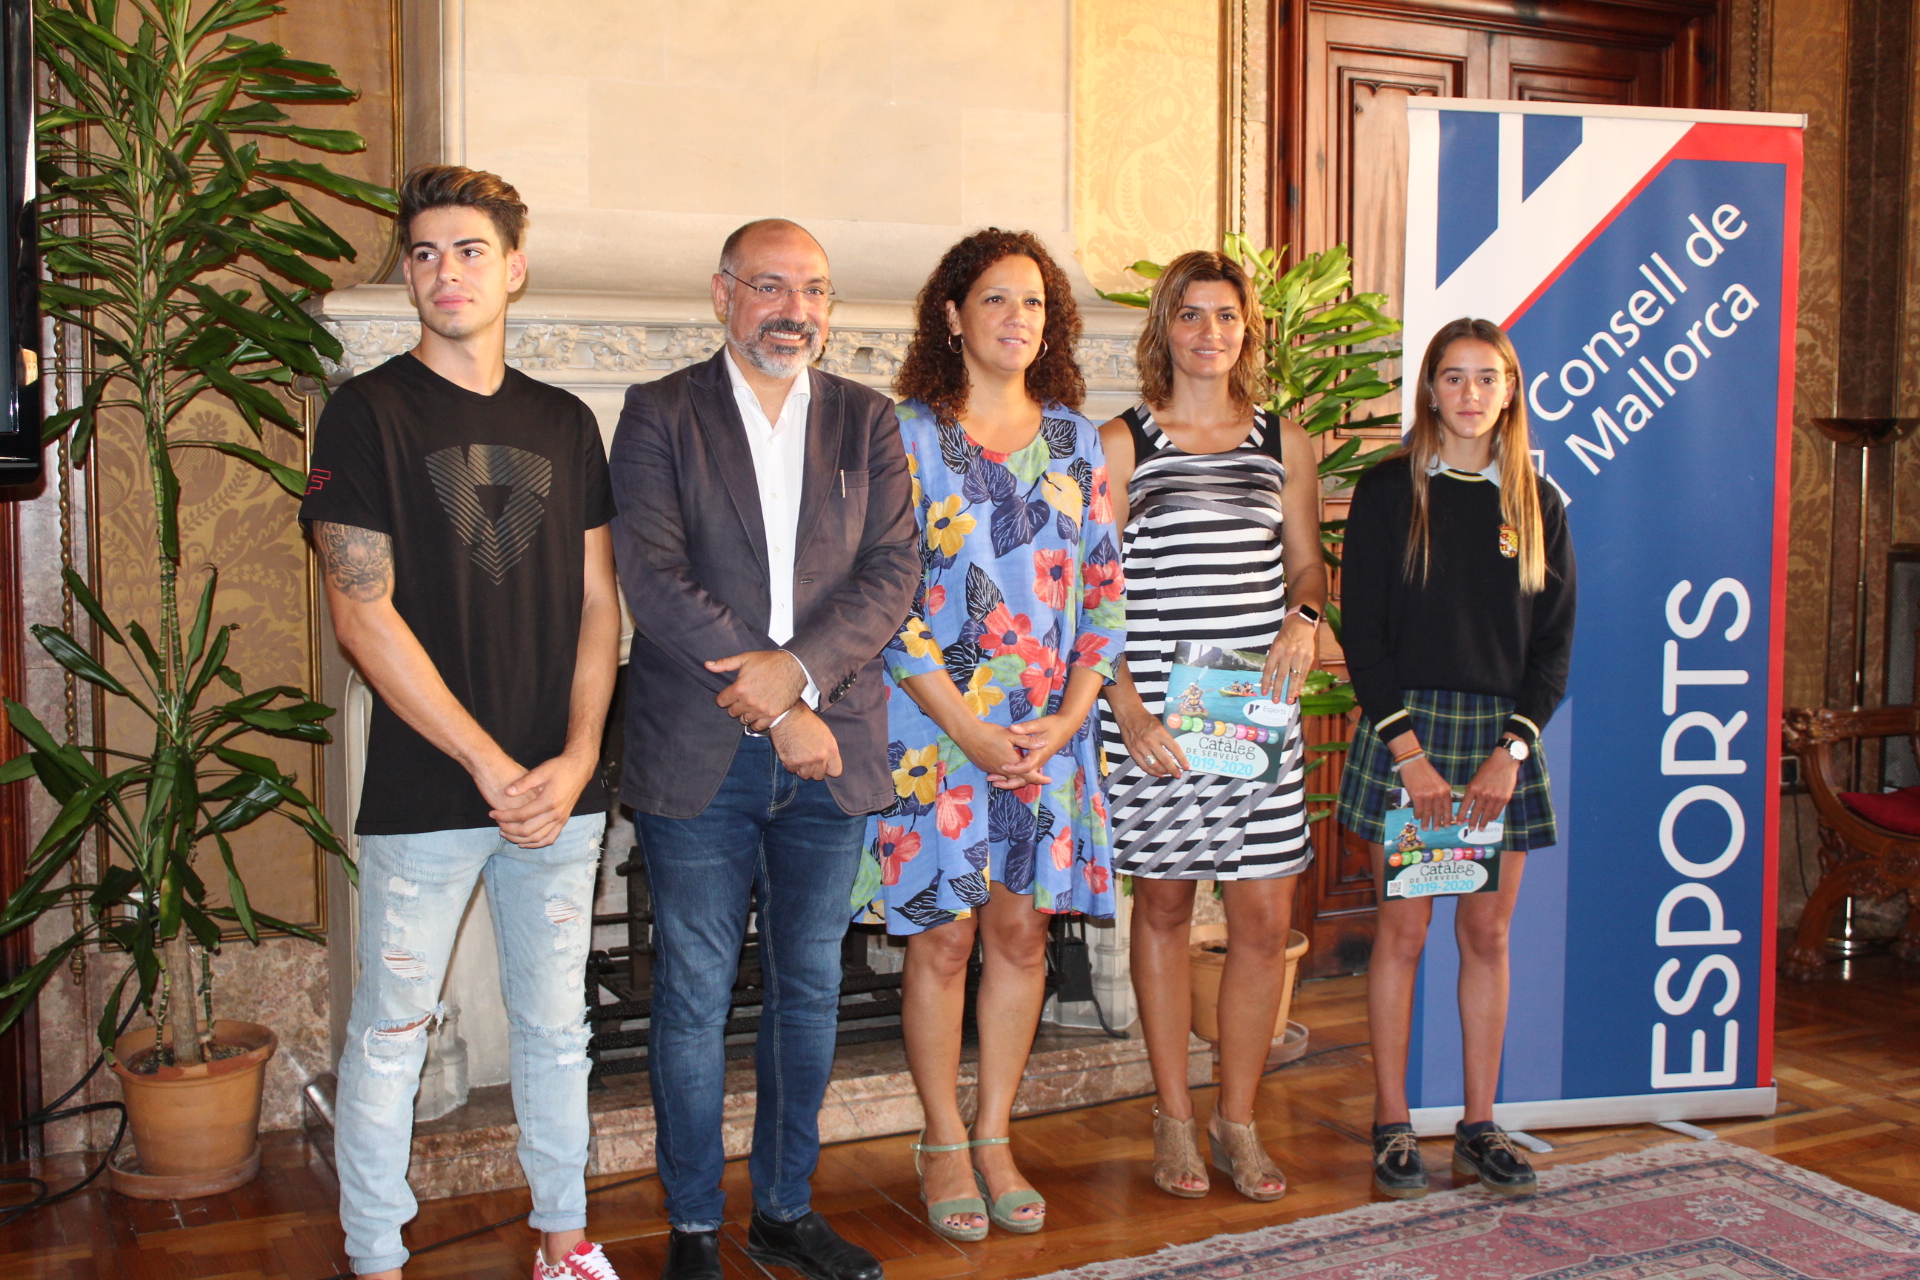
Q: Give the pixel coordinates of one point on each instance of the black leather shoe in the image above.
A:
(692, 1255)
(810, 1246)
(1398, 1170)
(1483, 1150)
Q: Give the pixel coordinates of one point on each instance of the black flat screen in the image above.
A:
(20, 380)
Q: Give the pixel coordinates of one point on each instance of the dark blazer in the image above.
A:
(692, 550)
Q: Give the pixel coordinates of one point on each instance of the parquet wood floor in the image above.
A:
(1848, 1067)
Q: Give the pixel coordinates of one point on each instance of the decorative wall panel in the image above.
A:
(1147, 128)
(1809, 75)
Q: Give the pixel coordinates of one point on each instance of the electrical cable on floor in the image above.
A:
(41, 1198)
(1101, 1014)
(504, 1222)
(1058, 964)
(51, 1113)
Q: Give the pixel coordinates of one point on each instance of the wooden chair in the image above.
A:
(1857, 858)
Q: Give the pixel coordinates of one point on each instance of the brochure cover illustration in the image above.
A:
(1221, 721)
(1434, 861)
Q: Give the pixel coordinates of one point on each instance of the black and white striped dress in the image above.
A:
(1202, 556)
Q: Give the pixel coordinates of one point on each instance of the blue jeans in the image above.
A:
(770, 829)
(413, 891)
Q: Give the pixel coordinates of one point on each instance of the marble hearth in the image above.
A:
(871, 1095)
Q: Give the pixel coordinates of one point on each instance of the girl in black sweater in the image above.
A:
(1457, 600)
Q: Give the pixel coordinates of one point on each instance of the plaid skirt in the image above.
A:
(1458, 731)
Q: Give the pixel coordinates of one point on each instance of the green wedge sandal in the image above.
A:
(937, 1214)
(1003, 1209)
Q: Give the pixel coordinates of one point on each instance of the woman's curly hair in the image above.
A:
(936, 375)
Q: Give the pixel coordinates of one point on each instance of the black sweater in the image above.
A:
(1467, 627)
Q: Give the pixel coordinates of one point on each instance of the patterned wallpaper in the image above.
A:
(1808, 66)
(1146, 132)
(1809, 40)
(233, 516)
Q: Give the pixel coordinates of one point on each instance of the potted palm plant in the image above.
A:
(183, 255)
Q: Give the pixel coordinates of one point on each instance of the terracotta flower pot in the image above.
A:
(195, 1129)
(1207, 959)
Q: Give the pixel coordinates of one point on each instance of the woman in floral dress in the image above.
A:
(999, 821)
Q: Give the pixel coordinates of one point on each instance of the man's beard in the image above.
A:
(780, 364)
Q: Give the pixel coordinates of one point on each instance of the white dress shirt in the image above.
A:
(779, 462)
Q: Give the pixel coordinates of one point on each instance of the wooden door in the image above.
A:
(1344, 71)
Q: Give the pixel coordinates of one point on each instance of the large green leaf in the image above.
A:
(249, 55)
(261, 796)
(214, 664)
(293, 267)
(374, 196)
(77, 812)
(294, 482)
(202, 616)
(282, 724)
(289, 308)
(68, 653)
(65, 295)
(254, 402)
(28, 726)
(271, 922)
(84, 597)
(337, 140)
(76, 30)
(237, 891)
(283, 89)
(23, 990)
(200, 923)
(247, 762)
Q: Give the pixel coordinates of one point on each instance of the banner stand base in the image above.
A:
(1584, 1113)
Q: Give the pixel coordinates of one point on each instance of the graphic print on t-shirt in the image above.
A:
(495, 496)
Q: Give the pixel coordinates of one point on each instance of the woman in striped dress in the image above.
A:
(1221, 552)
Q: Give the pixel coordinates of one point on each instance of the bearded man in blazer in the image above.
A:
(768, 550)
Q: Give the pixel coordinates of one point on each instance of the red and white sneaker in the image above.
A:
(584, 1262)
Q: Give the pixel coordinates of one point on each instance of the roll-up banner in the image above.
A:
(1645, 262)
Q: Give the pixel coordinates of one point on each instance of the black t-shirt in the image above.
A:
(487, 500)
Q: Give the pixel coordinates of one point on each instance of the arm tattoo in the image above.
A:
(359, 562)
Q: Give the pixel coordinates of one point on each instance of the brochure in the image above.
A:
(1432, 862)
(1219, 718)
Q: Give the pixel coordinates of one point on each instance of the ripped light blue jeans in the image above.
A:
(413, 891)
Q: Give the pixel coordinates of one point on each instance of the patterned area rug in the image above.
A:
(1686, 1211)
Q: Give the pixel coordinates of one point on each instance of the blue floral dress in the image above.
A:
(1021, 581)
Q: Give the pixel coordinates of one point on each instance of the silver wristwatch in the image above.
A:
(1518, 749)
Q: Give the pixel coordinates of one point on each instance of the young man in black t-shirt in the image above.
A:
(461, 511)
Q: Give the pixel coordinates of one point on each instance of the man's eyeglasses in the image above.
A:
(778, 292)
